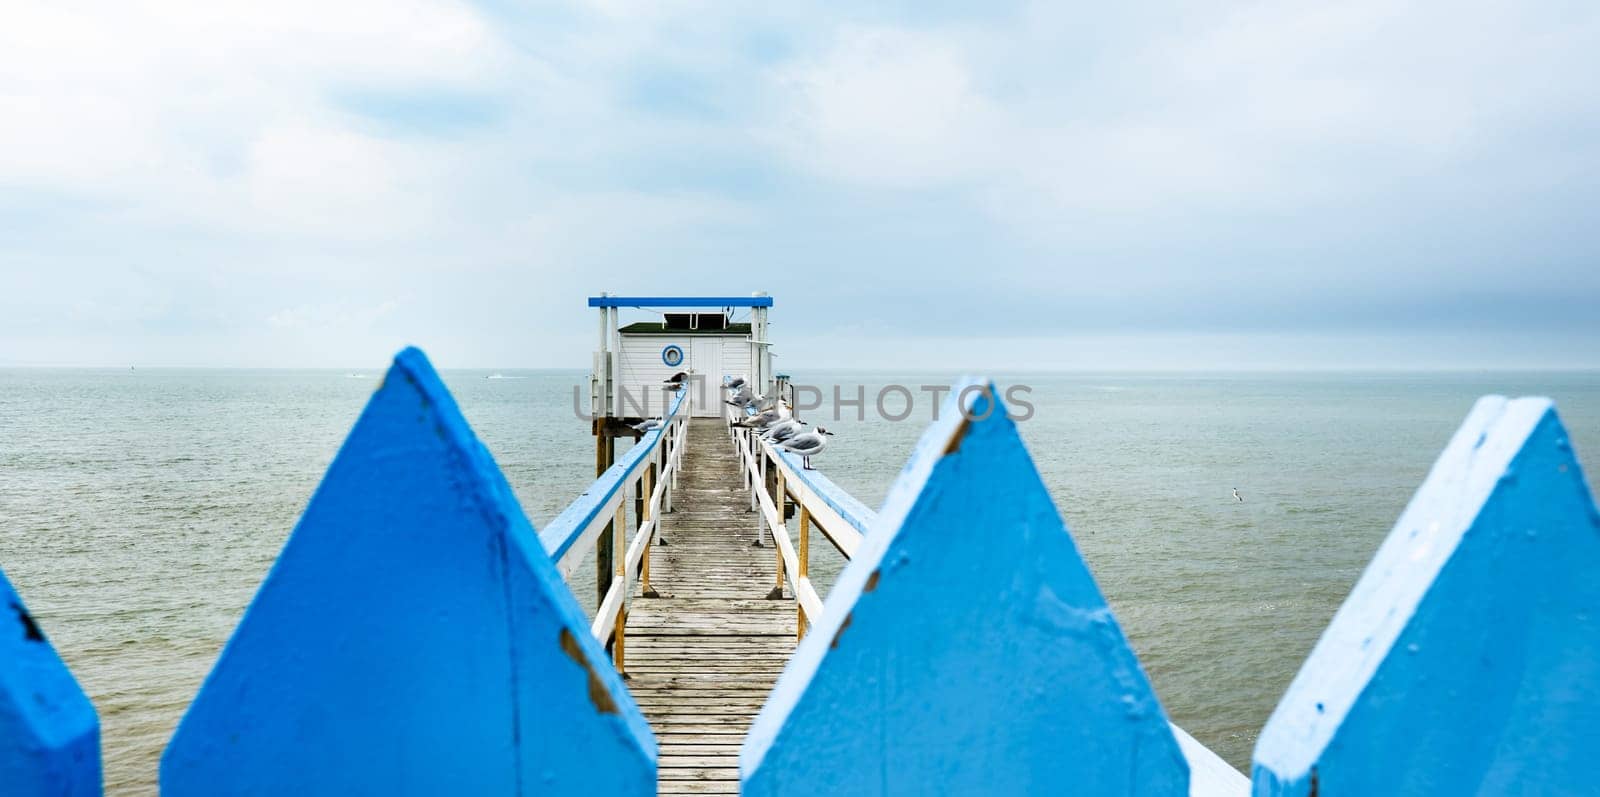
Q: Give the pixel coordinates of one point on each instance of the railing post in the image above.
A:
(620, 556)
(750, 472)
(777, 587)
(639, 499)
(668, 446)
(644, 562)
(678, 439)
(805, 567)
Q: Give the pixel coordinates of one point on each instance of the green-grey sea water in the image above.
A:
(139, 510)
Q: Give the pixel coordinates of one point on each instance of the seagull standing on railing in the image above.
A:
(742, 397)
(762, 420)
(675, 381)
(782, 430)
(647, 426)
(807, 445)
(734, 383)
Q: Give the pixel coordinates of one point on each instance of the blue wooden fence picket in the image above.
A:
(49, 734)
(1467, 658)
(412, 638)
(965, 649)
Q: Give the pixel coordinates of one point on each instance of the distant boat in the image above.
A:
(355, 376)
(502, 376)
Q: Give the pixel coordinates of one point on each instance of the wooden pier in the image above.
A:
(702, 658)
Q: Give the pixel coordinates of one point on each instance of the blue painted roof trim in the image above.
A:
(680, 301)
(560, 533)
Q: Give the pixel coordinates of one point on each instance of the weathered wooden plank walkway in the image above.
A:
(703, 656)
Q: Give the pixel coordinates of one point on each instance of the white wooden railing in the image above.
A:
(650, 469)
(820, 503)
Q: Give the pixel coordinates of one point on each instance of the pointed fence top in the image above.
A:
(965, 649)
(49, 734)
(1466, 659)
(413, 637)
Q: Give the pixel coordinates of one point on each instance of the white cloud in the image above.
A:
(168, 166)
(194, 110)
(890, 107)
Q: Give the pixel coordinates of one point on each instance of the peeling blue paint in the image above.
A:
(412, 638)
(49, 734)
(1467, 658)
(965, 649)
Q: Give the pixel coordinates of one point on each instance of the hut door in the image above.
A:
(705, 358)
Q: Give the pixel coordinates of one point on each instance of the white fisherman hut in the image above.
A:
(706, 337)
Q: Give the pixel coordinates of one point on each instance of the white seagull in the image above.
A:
(782, 430)
(1237, 496)
(742, 397)
(807, 445)
(648, 425)
(762, 420)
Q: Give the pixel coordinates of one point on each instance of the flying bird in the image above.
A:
(1237, 496)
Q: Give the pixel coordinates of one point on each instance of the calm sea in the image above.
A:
(139, 510)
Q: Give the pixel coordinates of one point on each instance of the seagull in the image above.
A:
(766, 418)
(764, 404)
(1237, 496)
(734, 383)
(742, 397)
(676, 379)
(807, 445)
(649, 425)
(782, 430)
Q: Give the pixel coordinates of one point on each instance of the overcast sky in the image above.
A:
(1194, 184)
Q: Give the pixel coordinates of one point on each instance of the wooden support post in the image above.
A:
(621, 638)
(644, 563)
(804, 555)
(777, 587)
